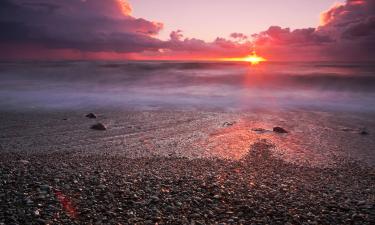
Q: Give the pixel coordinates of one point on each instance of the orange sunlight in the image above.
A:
(254, 59)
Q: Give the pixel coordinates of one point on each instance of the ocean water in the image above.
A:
(187, 85)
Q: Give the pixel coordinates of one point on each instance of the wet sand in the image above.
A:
(187, 167)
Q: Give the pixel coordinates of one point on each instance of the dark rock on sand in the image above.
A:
(98, 126)
(259, 130)
(91, 116)
(279, 130)
(228, 124)
(364, 132)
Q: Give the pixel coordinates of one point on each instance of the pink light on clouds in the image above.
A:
(99, 29)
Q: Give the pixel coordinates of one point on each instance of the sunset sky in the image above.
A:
(287, 30)
(208, 19)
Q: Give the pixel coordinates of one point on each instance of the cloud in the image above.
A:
(192, 47)
(239, 36)
(176, 35)
(86, 25)
(96, 28)
(99, 29)
(284, 36)
(347, 32)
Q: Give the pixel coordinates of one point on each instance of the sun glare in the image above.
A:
(254, 59)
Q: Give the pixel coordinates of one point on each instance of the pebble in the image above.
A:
(91, 116)
(24, 161)
(99, 126)
(279, 130)
(228, 124)
(120, 190)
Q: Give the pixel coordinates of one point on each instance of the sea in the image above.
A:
(56, 85)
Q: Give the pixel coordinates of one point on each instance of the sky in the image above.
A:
(288, 30)
(208, 19)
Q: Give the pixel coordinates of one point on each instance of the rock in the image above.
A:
(91, 116)
(44, 188)
(364, 132)
(259, 130)
(24, 161)
(228, 124)
(101, 186)
(217, 197)
(29, 202)
(154, 199)
(37, 212)
(279, 130)
(98, 126)
(41, 221)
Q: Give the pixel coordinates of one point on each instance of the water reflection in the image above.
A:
(314, 138)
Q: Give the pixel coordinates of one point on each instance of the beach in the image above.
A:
(186, 143)
(186, 167)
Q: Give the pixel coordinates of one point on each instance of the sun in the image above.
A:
(254, 59)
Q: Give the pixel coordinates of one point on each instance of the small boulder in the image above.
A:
(24, 161)
(228, 124)
(364, 132)
(98, 126)
(259, 130)
(279, 130)
(91, 116)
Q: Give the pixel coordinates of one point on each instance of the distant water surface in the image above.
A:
(187, 85)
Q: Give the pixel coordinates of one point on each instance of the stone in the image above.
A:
(98, 126)
(24, 161)
(228, 124)
(91, 116)
(259, 130)
(279, 130)
(154, 199)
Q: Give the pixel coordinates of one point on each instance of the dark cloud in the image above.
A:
(239, 36)
(365, 28)
(87, 25)
(176, 35)
(347, 32)
(284, 36)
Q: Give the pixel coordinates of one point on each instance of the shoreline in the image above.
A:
(315, 136)
(186, 167)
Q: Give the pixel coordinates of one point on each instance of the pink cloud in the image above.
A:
(97, 28)
(347, 32)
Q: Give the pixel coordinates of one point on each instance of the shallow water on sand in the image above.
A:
(314, 138)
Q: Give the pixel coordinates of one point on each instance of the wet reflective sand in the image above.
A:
(315, 138)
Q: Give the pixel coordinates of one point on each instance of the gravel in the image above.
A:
(63, 188)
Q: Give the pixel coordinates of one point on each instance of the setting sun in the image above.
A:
(254, 59)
